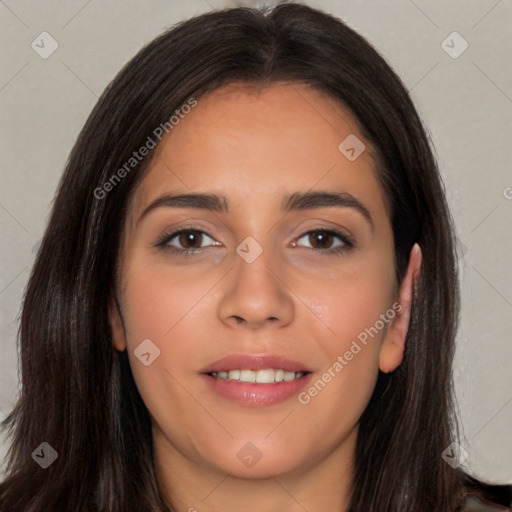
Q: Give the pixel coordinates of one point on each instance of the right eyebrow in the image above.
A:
(210, 202)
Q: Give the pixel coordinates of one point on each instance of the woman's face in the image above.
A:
(290, 271)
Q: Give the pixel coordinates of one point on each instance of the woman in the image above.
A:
(297, 355)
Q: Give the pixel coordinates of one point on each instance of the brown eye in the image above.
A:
(320, 239)
(326, 241)
(190, 239)
(185, 240)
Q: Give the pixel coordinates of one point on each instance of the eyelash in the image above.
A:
(162, 242)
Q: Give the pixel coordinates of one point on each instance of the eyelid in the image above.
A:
(347, 241)
(164, 239)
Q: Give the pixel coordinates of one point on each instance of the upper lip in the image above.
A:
(255, 362)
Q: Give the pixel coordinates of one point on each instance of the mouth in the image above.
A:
(256, 380)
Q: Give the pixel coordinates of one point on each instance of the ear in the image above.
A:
(392, 349)
(116, 325)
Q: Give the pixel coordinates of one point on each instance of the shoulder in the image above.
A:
(485, 497)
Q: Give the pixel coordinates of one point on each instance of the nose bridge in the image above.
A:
(256, 292)
(254, 263)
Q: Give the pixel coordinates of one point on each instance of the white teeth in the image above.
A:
(234, 375)
(267, 376)
(288, 376)
(247, 376)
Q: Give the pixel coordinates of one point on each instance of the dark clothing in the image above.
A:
(483, 497)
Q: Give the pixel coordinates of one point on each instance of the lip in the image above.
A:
(254, 394)
(255, 362)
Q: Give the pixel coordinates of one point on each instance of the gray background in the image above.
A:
(466, 103)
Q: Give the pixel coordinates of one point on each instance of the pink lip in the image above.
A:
(254, 362)
(253, 394)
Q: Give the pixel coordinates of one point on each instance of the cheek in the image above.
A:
(354, 312)
(168, 308)
(354, 308)
(157, 304)
(156, 299)
(349, 300)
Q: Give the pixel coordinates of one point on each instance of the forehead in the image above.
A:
(263, 141)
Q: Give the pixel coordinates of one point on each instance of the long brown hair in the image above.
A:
(77, 392)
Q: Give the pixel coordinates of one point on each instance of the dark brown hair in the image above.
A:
(78, 393)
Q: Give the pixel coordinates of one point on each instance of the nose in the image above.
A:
(256, 293)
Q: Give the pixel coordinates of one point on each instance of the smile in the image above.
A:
(266, 376)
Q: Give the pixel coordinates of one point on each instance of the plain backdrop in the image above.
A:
(465, 100)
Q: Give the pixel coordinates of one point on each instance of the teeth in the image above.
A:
(288, 376)
(267, 376)
(234, 375)
(247, 376)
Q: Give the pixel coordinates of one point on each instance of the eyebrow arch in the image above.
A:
(293, 202)
(324, 199)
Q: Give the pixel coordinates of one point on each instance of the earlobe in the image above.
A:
(116, 325)
(392, 349)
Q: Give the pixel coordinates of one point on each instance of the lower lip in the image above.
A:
(253, 394)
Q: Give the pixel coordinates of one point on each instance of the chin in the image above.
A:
(245, 460)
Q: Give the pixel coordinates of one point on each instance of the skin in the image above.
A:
(254, 146)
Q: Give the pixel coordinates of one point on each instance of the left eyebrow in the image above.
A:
(293, 202)
(325, 199)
